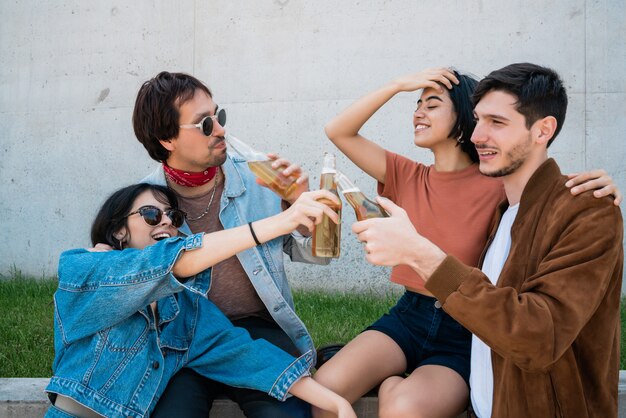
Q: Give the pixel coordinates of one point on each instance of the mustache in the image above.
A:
(218, 140)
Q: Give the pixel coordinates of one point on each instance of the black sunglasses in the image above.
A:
(153, 215)
(206, 125)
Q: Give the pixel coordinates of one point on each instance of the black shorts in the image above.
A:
(427, 334)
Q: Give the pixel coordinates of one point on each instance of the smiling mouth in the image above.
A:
(420, 127)
(485, 155)
(160, 236)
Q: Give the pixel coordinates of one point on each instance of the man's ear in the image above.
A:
(543, 129)
(168, 144)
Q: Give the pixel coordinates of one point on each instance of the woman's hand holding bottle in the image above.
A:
(307, 210)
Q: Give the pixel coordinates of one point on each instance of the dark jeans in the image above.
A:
(427, 334)
(190, 395)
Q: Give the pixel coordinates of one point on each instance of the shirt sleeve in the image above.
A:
(300, 249)
(99, 289)
(400, 173)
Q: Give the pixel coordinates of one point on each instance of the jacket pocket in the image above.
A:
(121, 351)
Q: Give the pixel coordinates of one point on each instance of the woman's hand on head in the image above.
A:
(309, 209)
(431, 77)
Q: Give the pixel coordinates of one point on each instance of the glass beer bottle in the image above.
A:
(327, 234)
(364, 208)
(261, 166)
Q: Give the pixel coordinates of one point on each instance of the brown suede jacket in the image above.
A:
(552, 320)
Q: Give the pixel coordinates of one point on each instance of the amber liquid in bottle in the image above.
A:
(364, 208)
(261, 166)
(327, 234)
(281, 185)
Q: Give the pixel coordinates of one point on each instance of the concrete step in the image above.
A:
(25, 398)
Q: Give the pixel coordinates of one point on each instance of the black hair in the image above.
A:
(156, 115)
(539, 92)
(461, 96)
(112, 215)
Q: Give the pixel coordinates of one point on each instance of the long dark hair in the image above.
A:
(112, 215)
(461, 96)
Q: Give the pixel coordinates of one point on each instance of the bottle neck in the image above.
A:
(327, 181)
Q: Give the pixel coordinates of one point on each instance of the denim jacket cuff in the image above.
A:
(297, 369)
(194, 241)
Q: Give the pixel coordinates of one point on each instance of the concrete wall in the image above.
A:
(70, 71)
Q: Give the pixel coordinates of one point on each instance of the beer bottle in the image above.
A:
(364, 208)
(327, 234)
(261, 166)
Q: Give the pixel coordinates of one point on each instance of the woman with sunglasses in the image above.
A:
(126, 311)
(418, 354)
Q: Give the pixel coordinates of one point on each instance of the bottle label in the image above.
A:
(328, 170)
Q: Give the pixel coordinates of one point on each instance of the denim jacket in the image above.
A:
(111, 355)
(245, 201)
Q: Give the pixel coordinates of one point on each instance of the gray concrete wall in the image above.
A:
(70, 71)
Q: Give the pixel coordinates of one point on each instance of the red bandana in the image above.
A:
(189, 179)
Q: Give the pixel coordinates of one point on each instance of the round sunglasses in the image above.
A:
(153, 215)
(206, 125)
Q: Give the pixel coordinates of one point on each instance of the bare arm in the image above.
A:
(314, 393)
(218, 246)
(343, 129)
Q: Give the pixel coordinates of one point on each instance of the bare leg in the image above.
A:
(429, 392)
(358, 367)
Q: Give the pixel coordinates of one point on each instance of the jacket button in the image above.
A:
(437, 304)
(155, 365)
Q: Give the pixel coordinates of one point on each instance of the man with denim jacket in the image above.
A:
(179, 124)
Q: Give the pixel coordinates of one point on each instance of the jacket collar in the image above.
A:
(539, 184)
(233, 182)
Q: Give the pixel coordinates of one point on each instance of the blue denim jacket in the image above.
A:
(245, 201)
(112, 357)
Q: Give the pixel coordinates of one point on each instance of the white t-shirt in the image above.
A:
(481, 374)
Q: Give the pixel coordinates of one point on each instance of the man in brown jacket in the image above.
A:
(544, 310)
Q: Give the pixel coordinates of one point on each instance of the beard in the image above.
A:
(216, 160)
(517, 156)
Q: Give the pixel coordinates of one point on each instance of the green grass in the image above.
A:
(26, 324)
(337, 318)
(26, 328)
(26, 334)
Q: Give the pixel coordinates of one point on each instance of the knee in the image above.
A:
(401, 405)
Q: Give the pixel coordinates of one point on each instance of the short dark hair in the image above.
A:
(156, 115)
(461, 96)
(112, 214)
(539, 91)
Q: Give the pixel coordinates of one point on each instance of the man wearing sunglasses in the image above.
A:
(181, 127)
